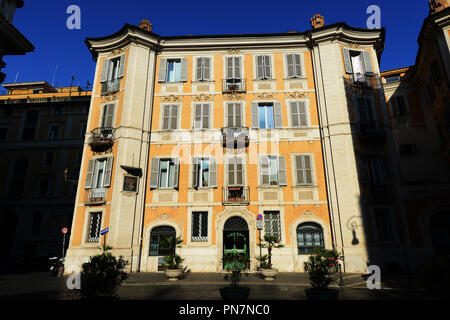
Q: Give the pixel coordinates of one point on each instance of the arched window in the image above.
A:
(157, 246)
(309, 236)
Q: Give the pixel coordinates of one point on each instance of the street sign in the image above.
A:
(259, 224)
(259, 217)
(64, 230)
(104, 231)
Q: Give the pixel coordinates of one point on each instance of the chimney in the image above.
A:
(438, 5)
(317, 21)
(145, 25)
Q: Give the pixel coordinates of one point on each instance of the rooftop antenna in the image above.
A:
(71, 84)
(17, 75)
(54, 74)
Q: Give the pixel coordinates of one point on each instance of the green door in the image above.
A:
(236, 243)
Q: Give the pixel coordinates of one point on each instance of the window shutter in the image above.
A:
(195, 173)
(264, 161)
(184, 69)
(197, 116)
(231, 171)
(394, 106)
(255, 118)
(361, 109)
(174, 118)
(367, 63)
(230, 114)
(122, 65)
(267, 68)
(237, 115)
(295, 114)
(277, 115)
(370, 110)
(212, 172)
(199, 68)
(308, 169)
(166, 117)
(298, 65)
(205, 122)
(162, 72)
(206, 69)
(282, 179)
(108, 171)
(237, 67)
(89, 174)
(105, 67)
(347, 60)
(259, 67)
(108, 114)
(303, 115)
(154, 173)
(239, 172)
(299, 170)
(230, 67)
(290, 65)
(176, 173)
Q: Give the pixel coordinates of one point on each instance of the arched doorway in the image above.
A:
(158, 247)
(440, 233)
(235, 237)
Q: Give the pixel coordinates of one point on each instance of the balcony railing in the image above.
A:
(236, 195)
(235, 137)
(234, 85)
(96, 196)
(110, 86)
(101, 138)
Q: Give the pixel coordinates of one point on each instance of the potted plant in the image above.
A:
(172, 262)
(267, 270)
(236, 264)
(322, 266)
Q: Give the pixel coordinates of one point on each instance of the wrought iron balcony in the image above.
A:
(235, 137)
(96, 196)
(101, 139)
(236, 195)
(110, 86)
(234, 85)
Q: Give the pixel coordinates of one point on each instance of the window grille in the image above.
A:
(157, 245)
(272, 224)
(94, 227)
(199, 226)
(309, 236)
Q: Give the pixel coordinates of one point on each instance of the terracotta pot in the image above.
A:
(269, 274)
(173, 274)
(232, 293)
(318, 294)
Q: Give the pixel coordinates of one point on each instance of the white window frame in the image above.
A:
(210, 116)
(170, 118)
(255, 69)
(302, 65)
(308, 115)
(211, 67)
(269, 156)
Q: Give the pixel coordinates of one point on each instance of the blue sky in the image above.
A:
(58, 48)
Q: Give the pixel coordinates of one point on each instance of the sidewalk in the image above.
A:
(196, 286)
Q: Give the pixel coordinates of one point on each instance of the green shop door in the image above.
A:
(235, 237)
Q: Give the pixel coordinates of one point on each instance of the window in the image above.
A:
(203, 70)
(294, 68)
(201, 116)
(383, 225)
(234, 115)
(199, 226)
(358, 64)
(265, 116)
(164, 173)
(374, 169)
(49, 158)
(235, 171)
(272, 224)
(204, 172)
(398, 106)
(29, 129)
(303, 170)
(108, 116)
(233, 66)
(99, 173)
(95, 220)
(273, 170)
(112, 70)
(364, 110)
(158, 247)
(43, 187)
(83, 129)
(263, 68)
(3, 133)
(172, 70)
(299, 114)
(170, 117)
(393, 79)
(309, 236)
(53, 133)
(130, 183)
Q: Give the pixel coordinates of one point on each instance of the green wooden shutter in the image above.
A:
(282, 178)
(105, 67)
(347, 61)
(122, 65)
(108, 171)
(89, 174)
(154, 173)
(162, 71)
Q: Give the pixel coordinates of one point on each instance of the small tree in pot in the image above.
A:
(270, 242)
(236, 264)
(172, 262)
(322, 266)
